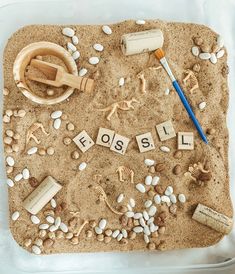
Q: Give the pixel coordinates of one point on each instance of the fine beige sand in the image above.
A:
(78, 198)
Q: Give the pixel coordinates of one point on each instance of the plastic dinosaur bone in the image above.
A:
(122, 105)
(190, 76)
(127, 171)
(103, 197)
(143, 82)
(81, 228)
(30, 133)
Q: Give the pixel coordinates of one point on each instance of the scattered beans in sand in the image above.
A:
(75, 40)
(107, 30)
(57, 123)
(27, 242)
(68, 32)
(178, 154)
(94, 60)
(120, 198)
(141, 188)
(182, 198)
(38, 242)
(82, 166)
(149, 162)
(98, 47)
(32, 150)
(195, 51)
(50, 151)
(36, 250)
(69, 235)
(165, 149)
(18, 177)
(15, 215)
(82, 72)
(10, 161)
(10, 183)
(35, 220)
(121, 82)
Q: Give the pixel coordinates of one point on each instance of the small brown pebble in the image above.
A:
(42, 233)
(50, 150)
(173, 209)
(33, 182)
(59, 234)
(162, 230)
(124, 241)
(21, 113)
(74, 240)
(130, 223)
(27, 242)
(205, 48)
(48, 212)
(64, 117)
(204, 177)
(159, 222)
(100, 237)
(163, 215)
(9, 112)
(8, 149)
(151, 193)
(177, 169)
(67, 141)
(107, 239)
(211, 131)
(159, 189)
(38, 242)
(48, 243)
(108, 232)
(132, 235)
(215, 48)
(9, 133)
(6, 119)
(69, 235)
(51, 235)
(6, 91)
(9, 169)
(50, 92)
(70, 126)
(154, 234)
(15, 148)
(89, 234)
(178, 154)
(59, 208)
(16, 136)
(152, 169)
(7, 140)
(42, 151)
(75, 155)
(162, 245)
(92, 223)
(151, 246)
(225, 71)
(198, 41)
(124, 220)
(196, 67)
(160, 167)
(123, 209)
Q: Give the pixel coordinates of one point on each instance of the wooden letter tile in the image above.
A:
(165, 130)
(105, 137)
(119, 144)
(83, 141)
(145, 142)
(185, 140)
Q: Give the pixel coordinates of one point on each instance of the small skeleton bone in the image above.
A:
(122, 105)
(127, 171)
(143, 82)
(81, 228)
(103, 197)
(30, 133)
(190, 76)
(75, 213)
(198, 173)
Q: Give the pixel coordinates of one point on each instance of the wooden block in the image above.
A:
(215, 220)
(119, 144)
(105, 137)
(165, 130)
(185, 140)
(83, 141)
(145, 142)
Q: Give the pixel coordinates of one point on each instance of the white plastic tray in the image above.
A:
(220, 15)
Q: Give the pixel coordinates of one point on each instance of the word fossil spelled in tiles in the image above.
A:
(185, 140)
(165, 130)
(83, 141)
(145, 142)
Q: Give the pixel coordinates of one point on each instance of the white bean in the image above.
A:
(148, 180)
(140, 187)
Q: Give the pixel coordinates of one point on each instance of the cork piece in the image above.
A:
(83, 141)
(185, 140)
(145, 142)
(119, 144)
(215, 220)
(165, 130)
(41, 195)
(105, 137)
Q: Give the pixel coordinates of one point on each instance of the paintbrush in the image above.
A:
(159, 53)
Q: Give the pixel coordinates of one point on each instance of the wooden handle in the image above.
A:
(81, 83)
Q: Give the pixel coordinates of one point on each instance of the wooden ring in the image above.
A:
(31, 51)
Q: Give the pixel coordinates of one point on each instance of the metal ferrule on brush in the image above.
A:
(164, 63)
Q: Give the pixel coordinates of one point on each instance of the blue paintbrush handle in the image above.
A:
(189, 110)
